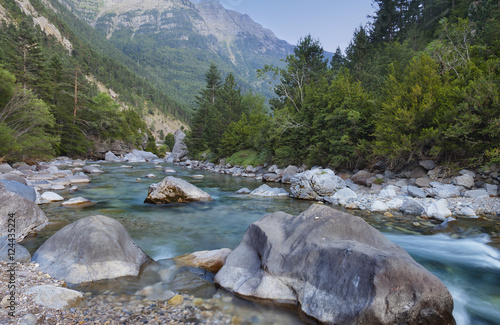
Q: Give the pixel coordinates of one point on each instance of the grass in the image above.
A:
(245, 158)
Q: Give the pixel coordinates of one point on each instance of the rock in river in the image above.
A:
(172, 190)
(316, 184)
(91, 249)
(336, 268)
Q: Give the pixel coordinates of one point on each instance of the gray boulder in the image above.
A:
(428, 164)
(438, 210)
(179, 150)
(412, 208)
(423, 181)
(289, 173)
(29, 217)
(91, 249)
(416, 192)
(477, 194)
(27, 192)
(362, 177)
(13, 177)
(444, 191)
(491, 189)
(144, 155)
(267, 191)
(55, 297)
(465, 180)
(175, 190)
(344, 195)
(11, 251)
(336, 268)
(109, 156)
(316, 184)
(271, 177)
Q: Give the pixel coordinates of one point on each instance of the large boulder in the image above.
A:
(316, 184)
(29, 218)
(175, 190)
(91, 249)
(25, 191)
(289, 173)
(336, 268)
(109, 156)
(179, 150)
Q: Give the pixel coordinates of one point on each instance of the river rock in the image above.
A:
(316, 184)
(90, 249)
(418, 172)
(211, 261)
(289, 173)
(109, 156)
(423, 181)
(378, 206)
(466, 181)
(267, 191)
(175, 190)
(92, 170)
(476, 194)
(243, 191)
(336, 268)
(48, 197)
(76, 201)
(13, 177)
(362, 177)
(27, 192)
(416, 192)
(395, 204)
(144, 155)
(168, 170)
(387, 192)
(29, 217)
(272, 169)
(438, 210)
(11, 251)
(55, 297)
(491, 189)
(79, 178)
(271, 177)
(412, 208)
(344, 195)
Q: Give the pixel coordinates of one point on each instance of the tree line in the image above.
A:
(421, 81)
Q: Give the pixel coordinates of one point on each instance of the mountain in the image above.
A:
(175, 41)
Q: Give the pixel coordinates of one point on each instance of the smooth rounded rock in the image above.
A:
(175, 190)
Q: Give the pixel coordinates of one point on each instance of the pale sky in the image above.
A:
(331, 21)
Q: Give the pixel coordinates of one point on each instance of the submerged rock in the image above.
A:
(91, 249)
(175, 190)
(336, 268)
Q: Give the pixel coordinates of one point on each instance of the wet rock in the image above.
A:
(90, 249)
(168, 170)
(76, 201)
(412, 208)
(175, 190)
(55, 297)
(210, 261)
(92, 170)
(243, 191)
(267, 191)
(324, 260)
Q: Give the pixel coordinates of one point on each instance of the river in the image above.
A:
(466, 261)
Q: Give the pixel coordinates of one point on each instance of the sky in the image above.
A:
(331, 21)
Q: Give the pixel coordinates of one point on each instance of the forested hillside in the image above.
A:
(49, 102)
(420, 82)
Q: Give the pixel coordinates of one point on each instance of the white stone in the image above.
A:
(379, 206)
(51, 197)
(76, 201)
(438, 210)
(267, 191)
(55, 297)
(344, 195)
(395, 204)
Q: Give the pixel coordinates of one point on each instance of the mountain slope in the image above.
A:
(175, 40)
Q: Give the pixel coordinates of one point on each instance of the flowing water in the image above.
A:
(466, 261)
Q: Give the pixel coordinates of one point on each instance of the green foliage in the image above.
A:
(170, 141)
(246, 157)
